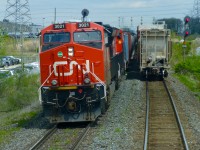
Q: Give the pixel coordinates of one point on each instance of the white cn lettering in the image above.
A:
(70, 67)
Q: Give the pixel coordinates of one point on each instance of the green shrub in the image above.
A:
(187, 68)
(18, 91)
(190, 65)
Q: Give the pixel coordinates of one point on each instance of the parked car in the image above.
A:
(11, 60)
(2, 62)
(6, 61)
(15, 59)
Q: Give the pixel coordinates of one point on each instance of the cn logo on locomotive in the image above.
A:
(72, 63)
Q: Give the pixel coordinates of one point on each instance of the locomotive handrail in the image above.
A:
(101, 82)
(39, 89)
(45, 80)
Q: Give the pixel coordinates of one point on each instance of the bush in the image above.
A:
(18, 91)
(190, 65)
(180, 68)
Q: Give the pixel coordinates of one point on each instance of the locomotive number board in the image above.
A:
(83, 25)
(59, 26)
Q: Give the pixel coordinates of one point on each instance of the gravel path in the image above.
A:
(190, 105)
(122, 127)
(28, 134)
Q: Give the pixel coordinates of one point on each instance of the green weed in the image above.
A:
(187, 70)
(18, 92)
(13, 122)
(118, 130)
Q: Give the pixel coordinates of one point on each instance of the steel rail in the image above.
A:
(147, 118)
(177, 118)
(81, 137)
(42, 140)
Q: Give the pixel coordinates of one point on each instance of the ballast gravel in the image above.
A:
(28, 134)
(122, 127)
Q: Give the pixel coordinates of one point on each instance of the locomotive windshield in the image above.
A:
(63, 37)
(89, 38)
(52, 40)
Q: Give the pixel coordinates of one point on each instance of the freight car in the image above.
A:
(80, 64)
(154, 50)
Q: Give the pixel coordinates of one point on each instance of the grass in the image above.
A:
(9, 46)
(187, 70)
(13, 122)
(18, 91)
(118, 130)
(193, 85)
(4, 134)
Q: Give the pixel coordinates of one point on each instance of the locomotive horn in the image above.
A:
(85, 13)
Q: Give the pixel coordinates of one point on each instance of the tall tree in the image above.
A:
(194, 25)
(174, 24)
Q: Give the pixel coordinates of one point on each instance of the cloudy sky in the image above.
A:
(114, 12)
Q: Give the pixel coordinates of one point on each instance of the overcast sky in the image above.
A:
(107, 11)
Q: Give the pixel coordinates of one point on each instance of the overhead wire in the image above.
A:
(71, 12)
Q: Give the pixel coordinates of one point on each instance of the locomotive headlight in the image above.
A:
(70, 51)
(86, 80)
(54, 82)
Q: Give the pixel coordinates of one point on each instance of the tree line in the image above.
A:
(177, 25)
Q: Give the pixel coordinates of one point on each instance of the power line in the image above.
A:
(196, 9)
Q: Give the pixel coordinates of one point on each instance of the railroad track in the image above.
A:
(42, 142)
(163, 125)
(81, 137)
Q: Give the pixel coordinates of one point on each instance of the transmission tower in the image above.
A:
(196, 9)
(17, 20)
(18, 13)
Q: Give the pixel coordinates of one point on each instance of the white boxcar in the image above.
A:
(154, 50)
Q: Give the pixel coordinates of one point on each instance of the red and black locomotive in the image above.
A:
(81, 64)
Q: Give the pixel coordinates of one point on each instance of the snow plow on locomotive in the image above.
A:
(81, 64)
(154, 50)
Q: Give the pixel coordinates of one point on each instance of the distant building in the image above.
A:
(35, 29)
(28, 30)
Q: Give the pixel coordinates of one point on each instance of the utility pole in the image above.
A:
(186, 33)
(141, 21)
(55, 16)
(131, 21)
(119, 21)
(122, 21)
(43, 20)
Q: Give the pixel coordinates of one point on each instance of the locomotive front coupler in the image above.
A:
(56, 101)
(90, 101)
